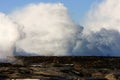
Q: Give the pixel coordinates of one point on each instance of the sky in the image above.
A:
(76, 8)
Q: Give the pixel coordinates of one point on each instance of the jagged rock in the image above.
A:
(110, 76)
(97, 75)
(3, 77)
(96, 79)
(24, 79)
(62, 68)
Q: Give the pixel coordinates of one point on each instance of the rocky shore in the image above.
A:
(54, 69)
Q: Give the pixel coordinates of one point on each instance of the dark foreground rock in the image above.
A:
(54, 69)
(59, 72)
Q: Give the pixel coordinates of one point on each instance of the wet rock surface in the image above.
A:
(57, 71)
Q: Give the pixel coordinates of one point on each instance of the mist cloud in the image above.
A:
(101, 43)
(46, 29)
(9, 34)
(103, 28)
(104, 15)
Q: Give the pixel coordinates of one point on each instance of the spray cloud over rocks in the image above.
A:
(47, 30)
(104, 15)
(9, 34)
(102, 30)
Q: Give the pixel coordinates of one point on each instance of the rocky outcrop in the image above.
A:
(58, 72)
(62, 68)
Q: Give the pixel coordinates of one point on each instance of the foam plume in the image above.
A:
(102, 28)
(48, 30)
(104, 15)
(8, 36)
(101, 43)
